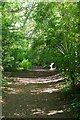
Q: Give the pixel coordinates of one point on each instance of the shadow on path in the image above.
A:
(35, 97)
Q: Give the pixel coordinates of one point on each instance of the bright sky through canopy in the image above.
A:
(40, 0)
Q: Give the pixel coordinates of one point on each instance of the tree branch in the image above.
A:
(18, 10)
(28, 16)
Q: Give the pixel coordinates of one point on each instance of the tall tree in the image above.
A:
(55, 37)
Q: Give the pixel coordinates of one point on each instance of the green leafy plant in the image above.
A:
(26, 64)
(4, 82)
(75, 107)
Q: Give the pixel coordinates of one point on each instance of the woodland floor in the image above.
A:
(35, 93)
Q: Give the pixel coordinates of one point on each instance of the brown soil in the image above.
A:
(35, 96)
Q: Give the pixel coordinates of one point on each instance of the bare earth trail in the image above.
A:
(35, 93)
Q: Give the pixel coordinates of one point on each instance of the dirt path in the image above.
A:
(35, 97)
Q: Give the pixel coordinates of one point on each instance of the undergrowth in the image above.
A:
(73, 96)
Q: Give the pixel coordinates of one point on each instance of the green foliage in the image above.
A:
(4, 82)
(73, 96)
(1, 68)
(26, 64)
(14, 43)
(51, 33)
(43, 38)
(55, 38)
(75, 103)
(76, 108)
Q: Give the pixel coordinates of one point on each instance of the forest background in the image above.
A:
(41, 33)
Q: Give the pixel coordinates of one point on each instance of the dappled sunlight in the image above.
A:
(50, 90)
(39, 70)
(40, 66)
(38, 80)
(43, 112)
(38, 111)
(10, 83)
(1, 101)
(44, 90)
(33, 73)
(34, 97)
(17, 114)
(13, 90)
(52, 112)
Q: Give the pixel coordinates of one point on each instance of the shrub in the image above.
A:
(76, 107)
(4, 82)
(26, 64)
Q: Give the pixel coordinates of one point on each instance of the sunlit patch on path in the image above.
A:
(45, 90)
(55, 112)
(39, 80)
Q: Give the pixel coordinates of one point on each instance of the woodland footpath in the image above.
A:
(38, 34)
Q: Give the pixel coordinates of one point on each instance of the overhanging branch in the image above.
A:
(19, 10)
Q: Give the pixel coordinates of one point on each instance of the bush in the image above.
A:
(76, 107)
(26, 64)
(4, 82)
